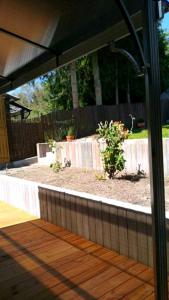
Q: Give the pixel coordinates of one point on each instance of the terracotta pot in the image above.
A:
(141, 124)
(70, 138)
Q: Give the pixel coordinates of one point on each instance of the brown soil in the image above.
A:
(125, 187)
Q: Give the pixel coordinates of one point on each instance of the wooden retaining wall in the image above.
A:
(85, 153)
(119, 226)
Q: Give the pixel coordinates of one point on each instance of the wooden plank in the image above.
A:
(79, 218)
(114, 229)
(42, 201)
(141, 292)
(73, 214)
(106, 225)
(124, 288)
(98, 217)
(49, 204)
(68, 211)
(132, 234)
(40, 260)
(149, 241)
(142, 238)
(62, 210)
(123, 232)
(53, 207)
(4, 147)
(57, 207)
(85, 218)
(92, 221)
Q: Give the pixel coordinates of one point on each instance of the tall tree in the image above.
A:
(53, 91)
(164, 58)
(74, 85)
(97, 81)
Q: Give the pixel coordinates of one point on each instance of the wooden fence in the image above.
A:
(25, 134)
(86, 119)
(23, 137)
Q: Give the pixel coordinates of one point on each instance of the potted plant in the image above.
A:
(70, 134)
(141, 123)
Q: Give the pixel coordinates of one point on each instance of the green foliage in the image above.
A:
(100, 176)
(57, 86)
(113, 134)
(53, 91)
(71, 130)
(108, 63)
(52, 145)
(164, 59)
(56, 166)
(143, 133)
(86, 93)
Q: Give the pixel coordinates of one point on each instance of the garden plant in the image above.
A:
(113, 134)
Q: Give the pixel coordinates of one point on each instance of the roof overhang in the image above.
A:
(38, 35)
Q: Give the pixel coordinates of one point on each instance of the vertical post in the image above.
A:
(4, 145)
(152, 82)
(74, 84)
(97, 82)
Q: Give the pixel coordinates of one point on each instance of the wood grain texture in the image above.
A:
(132, 235)
(125, 231)
(4, 146)
(40, 260)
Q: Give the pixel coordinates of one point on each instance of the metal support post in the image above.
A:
(152, 82)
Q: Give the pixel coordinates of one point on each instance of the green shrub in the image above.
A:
(52, 145)
(113, 134)
(56, 166)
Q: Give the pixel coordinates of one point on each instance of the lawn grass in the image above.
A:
(143, 133)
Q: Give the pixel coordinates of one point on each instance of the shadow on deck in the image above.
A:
(43, 261)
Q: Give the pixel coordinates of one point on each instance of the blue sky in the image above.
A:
(165, 22)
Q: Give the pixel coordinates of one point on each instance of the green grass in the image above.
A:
(143, 133)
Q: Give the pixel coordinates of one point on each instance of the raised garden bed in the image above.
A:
(117, 225)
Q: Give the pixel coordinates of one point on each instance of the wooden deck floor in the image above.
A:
(10, 215)
(42, 261)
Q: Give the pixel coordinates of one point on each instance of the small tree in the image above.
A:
(114, 134)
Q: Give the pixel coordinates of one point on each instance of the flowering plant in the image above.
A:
(114, 134)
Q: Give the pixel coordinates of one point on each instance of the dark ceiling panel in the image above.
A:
(59, 25)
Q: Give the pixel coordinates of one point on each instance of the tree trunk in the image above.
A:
(97, 82)
(74, 85)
